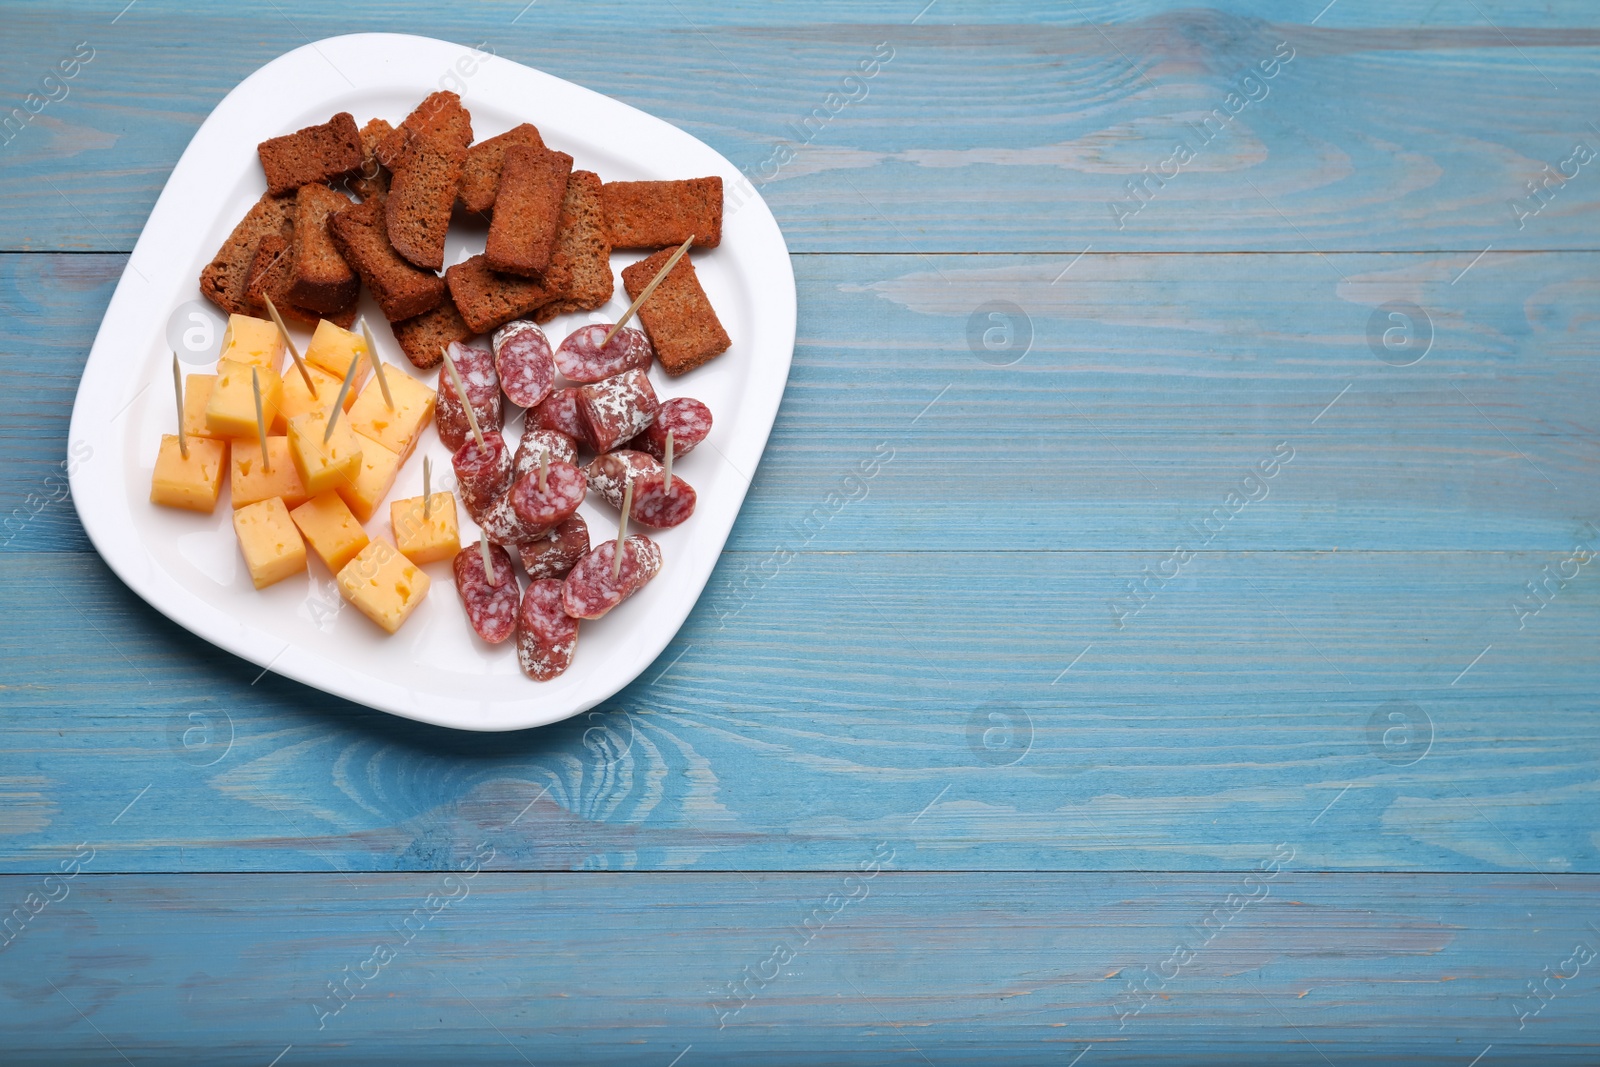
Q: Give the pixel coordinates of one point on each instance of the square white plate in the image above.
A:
(435, 669)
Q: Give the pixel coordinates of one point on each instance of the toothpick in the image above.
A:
(377, 364)
(669, 461)
(427, 481)
(338, 403)
(666, 268)
(288, 341)
(488, 568)
(177, 383)
(544, 467)
(461, 391)
(261, 421)
(622, 529)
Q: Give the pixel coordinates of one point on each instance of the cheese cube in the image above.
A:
(424, 540)
(249, 340)
(253, 483)
(196, 392)
(324, 465)
(383, 585)
(271, 545)
(332, 349)
(397, 429)
(329, 528)
(297, 399)
(231, 408)
(374, 479)
(191, 483)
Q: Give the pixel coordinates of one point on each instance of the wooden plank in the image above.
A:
(811, 704)
(1152, 387)
(830, 968)
(1042, 120)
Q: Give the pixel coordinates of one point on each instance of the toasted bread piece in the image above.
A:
(522, 236)
(323, 153)
(271, 269)
(319, 278)
(440, 115)
(223, 280)
(402, 291)
(480, 178)
(583, 244)
(373, 181)
(422, 194)
(423, 336)
(487, 299)
(664, 214)
(680, 321)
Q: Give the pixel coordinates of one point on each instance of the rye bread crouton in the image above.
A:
(319, 278)
(271, 269)
(224, 279)
(678, 318)
(583, 244)
(664, 214)
(439, 116)
(422, 194)
(402, 291)
(373, 181)
(522, 235)
(325, 153)
(487, 299)
(480, 178)
(421, 338)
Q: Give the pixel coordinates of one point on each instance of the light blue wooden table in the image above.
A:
(1206, 674)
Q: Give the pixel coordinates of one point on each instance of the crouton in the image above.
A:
(422, 337)
(319, 278)
(487, 299)
(582, 243)
(678, 318)
(402, 290)
(527, 214)
(323, 153)
(664, 214)
(480, 178)
(223, 280)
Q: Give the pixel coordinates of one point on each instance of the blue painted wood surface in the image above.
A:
(1346, 661)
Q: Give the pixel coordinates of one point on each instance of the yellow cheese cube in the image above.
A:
(297, 399)
(329, 528)
(373, 481)
(253, 483)
(249, 340)
(196, 391)
(324, 465)
(332, 349)
(191, 483)
(383, 584)
(271, 545)
(424, 540)
(231, 408)
(397, 429)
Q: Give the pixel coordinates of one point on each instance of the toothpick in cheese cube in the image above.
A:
(426, 539)
(231, 408)
(332, 349)
(297, 398)
(193, 483)
(397, 429)
(324, 465)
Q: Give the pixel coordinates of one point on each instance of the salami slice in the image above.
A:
(590, 591)
(482, 383)
(616, 409)
(559, 412)
(523, 360)
(581, 359)
(689, 421)
(553, 555)
(491, 608)
(525, 514)
(558, 446)
(482, 474)
(608, 475)
(546, 635)
(655, 504)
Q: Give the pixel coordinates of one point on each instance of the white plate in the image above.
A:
(187, 566)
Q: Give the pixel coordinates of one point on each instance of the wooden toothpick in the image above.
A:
(488, 568)
(338, 403)
(461, 391)
(668, 464)
(544, 467)
(427, 483)
(377, 364)
(622, 529)
(177, 384)
(261, 421)
(272, 309)
(666, 268)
